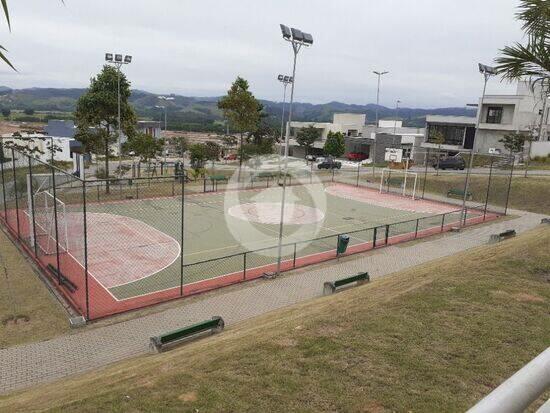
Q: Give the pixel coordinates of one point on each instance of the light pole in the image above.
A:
(165, 109)
(397, 102)
(487, 72)
(379, 74)
(118, 61)
(297, 39)
(285, 80)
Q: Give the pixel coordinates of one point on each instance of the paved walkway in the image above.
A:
(25, 365)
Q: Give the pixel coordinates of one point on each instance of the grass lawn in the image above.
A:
(23, 296)
(437, 337)
(528, 194)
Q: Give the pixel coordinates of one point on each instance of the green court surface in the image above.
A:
(214, 239)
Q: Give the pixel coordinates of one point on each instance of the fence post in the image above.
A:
(389, 179)
(465, 212)
(488, 188)
(182, 218)
(244, 266)
(56, 230)
(31, 217)
(509, 187)
(374, 237)
(425, 173)
(85, 223)
(294, 257)
(416, 229)
(3, 182)
(358, 168)
(442, 221)
(15, 191)
(173, 187)
(387, 234)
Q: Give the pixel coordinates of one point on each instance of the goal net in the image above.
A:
(45, 211)
(399, 181)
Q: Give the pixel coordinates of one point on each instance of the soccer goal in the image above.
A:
(403, 180)
(42, 213)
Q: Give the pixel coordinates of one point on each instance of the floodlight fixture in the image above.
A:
(280, 78)
(380, 73)
(489, 70)
(127, 59)
(308, 38)
(286, 79)
(297, 35)
(118, 58)
(108, 57)
(285, 31)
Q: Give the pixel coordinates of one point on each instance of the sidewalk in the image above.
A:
(30, 364)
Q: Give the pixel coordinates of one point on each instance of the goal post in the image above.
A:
(405, 180)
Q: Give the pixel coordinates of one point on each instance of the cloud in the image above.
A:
(430, 47)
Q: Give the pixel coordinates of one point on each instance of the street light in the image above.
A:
(165, 108)
(285, 80)
(297, 39)
(118, 61)
(379, 74)
(487, 72)
(397, 102)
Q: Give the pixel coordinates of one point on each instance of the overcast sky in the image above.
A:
(197, 48)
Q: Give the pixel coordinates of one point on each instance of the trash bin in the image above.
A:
(343, 241)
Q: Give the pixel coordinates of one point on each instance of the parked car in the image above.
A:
(452, 162)
(311, 158)
(329, 163)
(230, 157)
(356, 156)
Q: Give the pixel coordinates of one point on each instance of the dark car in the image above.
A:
(452, 162)
(329, 163)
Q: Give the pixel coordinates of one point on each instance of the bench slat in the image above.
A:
(359, 277)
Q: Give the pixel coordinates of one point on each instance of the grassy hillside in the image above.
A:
(437, 337)
(28, 312)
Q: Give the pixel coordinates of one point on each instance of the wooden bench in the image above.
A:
(458, 193)
(509, 233)
(171, 338)
(64, 281)
(330, 286)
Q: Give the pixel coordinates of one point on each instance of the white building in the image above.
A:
(498, 116)
(41, 145)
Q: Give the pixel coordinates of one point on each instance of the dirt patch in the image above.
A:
(286, 342)
(528, 298)
(329, 331)
(188, 397)
(15, 320)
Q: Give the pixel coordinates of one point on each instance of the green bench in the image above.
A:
(509, 233)
(458, 193)
(158, 343)
(330, 287)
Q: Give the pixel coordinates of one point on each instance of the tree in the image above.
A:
(198, 154)
(307, 136)
(438, 138)
(213, 151)
(97, 110)
(531, 59)
(513, 142)
(6, 113)
(29, 111)
(242, 110)
(145, 146)
(335, 145)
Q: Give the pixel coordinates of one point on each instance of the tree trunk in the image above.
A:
(240, 158)
(438, 158)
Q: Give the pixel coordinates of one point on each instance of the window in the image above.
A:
(494, 114)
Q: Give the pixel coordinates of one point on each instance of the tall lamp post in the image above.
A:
(285, 80)
(379, 74)
(487, 72)
(397, 102)
(118, 61)
(297, 39)
(164, 108)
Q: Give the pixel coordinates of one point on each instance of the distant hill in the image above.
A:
(201, 113)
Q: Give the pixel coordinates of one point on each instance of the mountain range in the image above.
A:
(202, 114)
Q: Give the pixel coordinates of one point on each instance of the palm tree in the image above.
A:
(532, 59)
(2, 48)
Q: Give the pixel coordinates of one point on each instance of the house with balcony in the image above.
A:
(498, 115)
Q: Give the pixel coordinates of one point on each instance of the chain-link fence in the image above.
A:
(114, 245)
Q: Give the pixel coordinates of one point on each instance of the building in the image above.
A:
(61, 128)
(498, 116)
(40, 144)
(149, 127)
